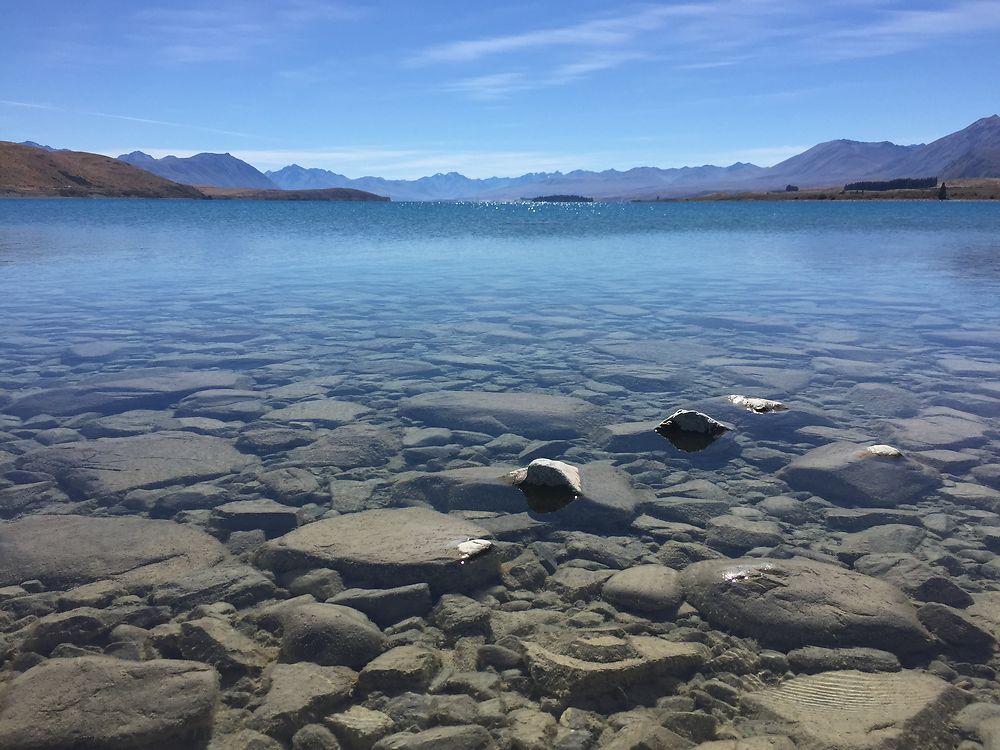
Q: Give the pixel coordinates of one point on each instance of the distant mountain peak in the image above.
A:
(214, 170)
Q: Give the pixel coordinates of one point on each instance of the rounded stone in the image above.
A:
(329, 635)
(644, 588)
(793, 603)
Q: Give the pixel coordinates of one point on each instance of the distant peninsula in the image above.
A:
(36, 171)
(561, 199)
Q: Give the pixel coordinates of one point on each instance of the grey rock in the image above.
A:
(349, 447)
(231, 582)
(457, 615)
(531, 729)
(647, 734)
(649, 589)
(329, 635)
(63, 551)
(464, 737)
(849, 710)
(793, 603)
(400, 669)
(112, 466)
(954, 627)
(788, 509)
(388, 606)
(533, 415)
(321, 583)
(575, 584)
(941, 427)
(858, 519)
(386, 548)
(97, 701)
(915, 577)
(877, 540)
(325, 412)
(215, 642)
(314, 737)
(274, 519)
(264, 441)
(301, 693)
(695, 511)
(845, 474)
(136, 389)
(814, 659)
(82, 626)
(736, 535)
(292, 486)
(225, 404)
(359, 728)
(578, 669)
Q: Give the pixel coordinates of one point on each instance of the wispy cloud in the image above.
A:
(229, 30)
(704, 35)
(127, 118)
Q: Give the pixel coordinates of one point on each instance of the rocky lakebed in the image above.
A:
(461, 530)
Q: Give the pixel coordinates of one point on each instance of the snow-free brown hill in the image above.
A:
(32, 171)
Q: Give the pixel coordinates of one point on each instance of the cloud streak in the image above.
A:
(703, 36)
(127, 118)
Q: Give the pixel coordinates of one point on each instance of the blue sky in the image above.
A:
(404, 89)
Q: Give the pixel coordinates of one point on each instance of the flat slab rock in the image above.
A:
(844, 473)
(139, 389)
(110, 466)
(65, 551)
(798, 602)
(326, 411)
(850, 710)
(103, 702)
(386, 548)
(534, 415)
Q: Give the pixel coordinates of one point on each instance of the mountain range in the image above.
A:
(968, 153)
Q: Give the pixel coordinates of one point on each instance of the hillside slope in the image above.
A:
(217, 170)
(31, 171)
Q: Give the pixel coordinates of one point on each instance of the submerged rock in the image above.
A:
(799, 602)
(851, 710)
(387, 548)
(848, 474)
(99, 701)
(758, 405)
(691, 431)
(63, 551)
(548, 485)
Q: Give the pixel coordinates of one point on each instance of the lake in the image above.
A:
(208, 408)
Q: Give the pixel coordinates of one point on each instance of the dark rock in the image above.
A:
(533, 415)
(349, 447)
(846, 474)
(465, 737)
(458, 615)
(649, 589)
(97, 701)
(265, 441)
(234, 583)
(793, 603)
(215, 642)
(695, 511)
(954, 628)
(63, 551)
(400, 669)
(879, 540)
(859, 519)
(301, 693)
(736, 535)
(388, 606)
(112, 466)
(915, 577)
(386, 548)
(293, 486)
(81, 627)
(814, 659)
(330, 635)
(270, 517)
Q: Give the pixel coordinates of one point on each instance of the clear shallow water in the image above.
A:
(635, 309)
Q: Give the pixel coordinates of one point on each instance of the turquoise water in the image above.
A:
(875, 322)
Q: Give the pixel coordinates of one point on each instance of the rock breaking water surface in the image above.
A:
(243, 447)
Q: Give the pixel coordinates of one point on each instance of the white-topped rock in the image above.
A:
(755, 404)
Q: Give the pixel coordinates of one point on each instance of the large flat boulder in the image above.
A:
(798, 602)
(111, 466)
(110, 394)
(847, 474)
(535, 415)
(103, 702)
(386, 548)
(65, 551)
(326, 412)
(851, 710)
